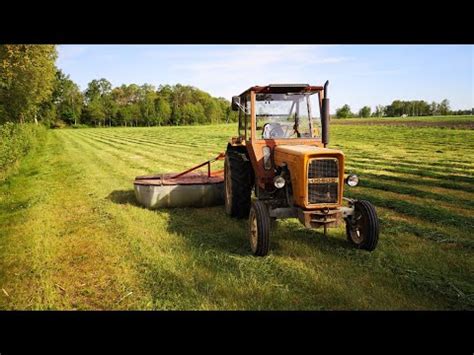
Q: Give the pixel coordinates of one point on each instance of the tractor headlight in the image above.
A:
(352, 180)
(267, 163)
(279, 181)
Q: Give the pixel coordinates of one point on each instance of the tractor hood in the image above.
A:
(298, 159)
(304, 150)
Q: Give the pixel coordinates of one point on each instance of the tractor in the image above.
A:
(280, 155)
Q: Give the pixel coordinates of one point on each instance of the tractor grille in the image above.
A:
(323, 181)
(323, 168)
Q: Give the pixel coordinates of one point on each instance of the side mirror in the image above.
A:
(235, 103)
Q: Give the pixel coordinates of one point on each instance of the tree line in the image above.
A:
(400, 108)
(33, 89)
(133, 105)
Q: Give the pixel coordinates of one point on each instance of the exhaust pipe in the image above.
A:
(325, 116)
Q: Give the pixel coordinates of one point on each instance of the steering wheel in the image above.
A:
(278, 132)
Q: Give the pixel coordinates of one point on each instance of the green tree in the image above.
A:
(365, 111)
(98, 97)
(69, 99)
(379, 111)
(444, 107)
(212, 111)
(193, 113)
(147, 96)
(163, 111)
(98, 88)
(96, 111)
(27, 74)
(344, 112)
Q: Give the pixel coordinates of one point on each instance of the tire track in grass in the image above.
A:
(123, 141)
(403, 179)
(467, 172)
(115, 148)
(425, 162)
(177, 150)
(191, 137)
(121, 156)
(112, 159)
(172, 143)
(168, 163)
(418, 172)
(167, 141)
(447, 200)
(455, 187)
(414, 207)
(395, 223)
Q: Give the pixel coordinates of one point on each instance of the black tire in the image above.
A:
(259, 228)
(362, 228)
(238, 184)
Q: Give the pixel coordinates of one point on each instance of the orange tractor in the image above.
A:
(281, 154)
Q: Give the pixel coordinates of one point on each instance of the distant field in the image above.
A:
(73, 237)
(462, 122)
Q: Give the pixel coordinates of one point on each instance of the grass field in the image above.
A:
(458, 122)
(73, 237)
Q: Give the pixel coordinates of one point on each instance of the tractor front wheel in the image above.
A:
(362, 228)
(259, 228)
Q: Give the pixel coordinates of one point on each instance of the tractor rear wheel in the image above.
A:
(362, 228)
(238, 184)
(259, 228)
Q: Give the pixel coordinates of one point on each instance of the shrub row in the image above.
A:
(16, 140)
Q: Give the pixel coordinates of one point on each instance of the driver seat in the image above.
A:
(272, 130)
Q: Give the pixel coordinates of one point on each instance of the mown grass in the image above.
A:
(440, 121)
(73, 237)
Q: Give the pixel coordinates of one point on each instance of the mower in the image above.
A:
(190, 188)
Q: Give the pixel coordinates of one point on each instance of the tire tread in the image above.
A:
(263, 226)
(241, 183)
(372, 238)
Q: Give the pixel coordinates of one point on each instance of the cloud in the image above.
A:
(228, 70)
(255, 57)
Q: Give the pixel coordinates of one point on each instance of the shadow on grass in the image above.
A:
(417, 171)
(410, 181)
(401, 189)
(212, 229)
(434, 214)
(394, 227)
(209, 229)
(123, 197)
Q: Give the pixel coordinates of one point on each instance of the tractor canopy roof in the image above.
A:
(283, 88)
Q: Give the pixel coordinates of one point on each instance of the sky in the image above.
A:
(358, 75)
